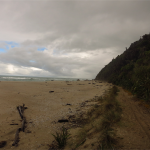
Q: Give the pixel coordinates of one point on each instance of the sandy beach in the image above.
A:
(44, 108)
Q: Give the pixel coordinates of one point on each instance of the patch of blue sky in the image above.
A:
(6, 45)
(2, 50)
(41, 49)
(12, 44)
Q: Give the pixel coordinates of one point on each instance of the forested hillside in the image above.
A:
(131, 70)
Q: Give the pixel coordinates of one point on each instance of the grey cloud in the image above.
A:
(101, 29)
(71, 17)
(55, 65)
(83, 26)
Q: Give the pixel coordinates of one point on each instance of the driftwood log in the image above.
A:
(63, 120)
(21, 111)
(14, 124)
(23, 124)
(15, 143)
(68, 104)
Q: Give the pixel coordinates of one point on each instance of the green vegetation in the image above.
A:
(100, 120)
(112, 115)
(131, 70)
(61, 138)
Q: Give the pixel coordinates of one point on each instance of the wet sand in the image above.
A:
(44, 108)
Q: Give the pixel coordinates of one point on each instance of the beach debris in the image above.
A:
(2, 144)
(78, 79)
(63, 120)
(15, 143)
(14, 124)
(68, 104)
(23, 124)
(51, 91)
(69, 84)
(21, 111)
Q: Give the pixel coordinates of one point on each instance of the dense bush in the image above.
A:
(131, 70)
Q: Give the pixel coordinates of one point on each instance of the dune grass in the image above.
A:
(61, 138)
(99, 120)
(112, 114)
(102, 118)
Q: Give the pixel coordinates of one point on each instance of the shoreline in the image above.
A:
(44, 108)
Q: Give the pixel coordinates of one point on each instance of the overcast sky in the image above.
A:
(75, 38)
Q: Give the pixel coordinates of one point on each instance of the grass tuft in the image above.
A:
(61, 138)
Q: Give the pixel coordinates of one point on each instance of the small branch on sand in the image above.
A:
(14, 124)
(15, 143)
(63, 120)
(20, 111)
(23, 124)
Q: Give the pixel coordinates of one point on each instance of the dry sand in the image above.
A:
(44, 108)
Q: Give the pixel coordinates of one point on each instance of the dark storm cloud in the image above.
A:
(87, 25)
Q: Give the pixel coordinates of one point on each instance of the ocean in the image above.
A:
(35, 79)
